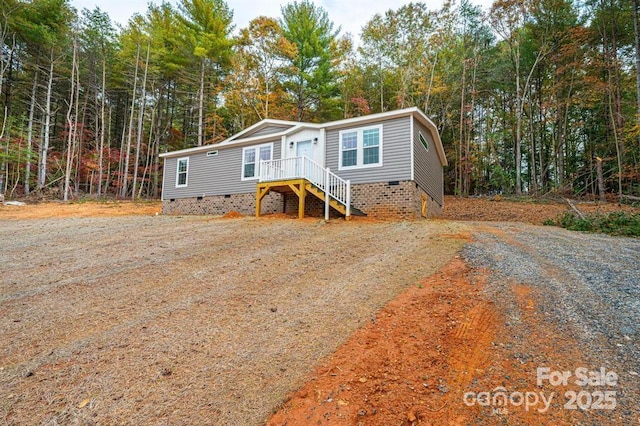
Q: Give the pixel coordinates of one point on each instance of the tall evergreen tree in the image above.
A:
(311, 78)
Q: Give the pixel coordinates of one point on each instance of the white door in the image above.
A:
(304, 148)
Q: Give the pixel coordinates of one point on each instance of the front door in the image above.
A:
(304, 148)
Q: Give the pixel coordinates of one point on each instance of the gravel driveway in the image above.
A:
(585, 286)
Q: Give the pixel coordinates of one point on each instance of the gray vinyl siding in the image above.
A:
(267, 131)
(427, 168)
(218, 175)
(396, 153)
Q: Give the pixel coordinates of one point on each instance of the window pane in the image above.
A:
(349, 158)
(265, 153)
(249, 170)
(349, 140)
(370, 137)
(371, 155)
(182, 179)
(250, 156)
(424, 143)
(182, 166)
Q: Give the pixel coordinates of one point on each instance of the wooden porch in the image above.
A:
(302, 176)
(301, 188)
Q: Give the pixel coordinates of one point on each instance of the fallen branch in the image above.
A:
(436, 410)
(574, 208)
(631, 197)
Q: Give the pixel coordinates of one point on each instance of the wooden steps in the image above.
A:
(300, 187)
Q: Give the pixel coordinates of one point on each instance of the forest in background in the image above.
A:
(529, 96)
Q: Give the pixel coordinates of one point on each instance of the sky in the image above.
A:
(350, 15)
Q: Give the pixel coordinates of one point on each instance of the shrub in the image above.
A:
(615, 223)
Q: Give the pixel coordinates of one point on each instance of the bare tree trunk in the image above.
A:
(140, 123)
(44, 148)
(469, 126)
(125, 173)
(71, 123)
(148, 159)
(158, 140)
(32, 107)
(201, 103)
(601, 188)
(381, 86)
(636, 30)
(518, 142)
(3, 178)
(433, 71)
(619, 117)
(78, 137)
(461, 160)
(615, 138)
(266, 101)
(102, 123)
(108, 174)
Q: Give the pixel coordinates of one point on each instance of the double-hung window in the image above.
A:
(182, 172)
(251, 157)
(361, 147)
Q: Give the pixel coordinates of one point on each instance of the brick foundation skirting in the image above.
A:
(218, 205)
(402, 200)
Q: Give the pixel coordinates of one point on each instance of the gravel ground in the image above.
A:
(586, 286)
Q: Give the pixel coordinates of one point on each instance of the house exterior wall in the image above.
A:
(427, 168)
(218, 175)
(396, 153)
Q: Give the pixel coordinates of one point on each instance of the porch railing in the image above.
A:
(304, 168)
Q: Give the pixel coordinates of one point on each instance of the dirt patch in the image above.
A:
(233, 215)
(406, 365)
(429, 355)
(84, 209)
(189, 320)
(502, 210)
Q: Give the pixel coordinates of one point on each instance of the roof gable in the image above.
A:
(264, 127)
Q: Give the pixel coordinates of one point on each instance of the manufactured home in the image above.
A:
(383, 165)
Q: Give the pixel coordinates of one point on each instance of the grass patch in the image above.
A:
(614, 223)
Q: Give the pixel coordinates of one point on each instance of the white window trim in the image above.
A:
(360, 148)
(186, 181)
(257, 149)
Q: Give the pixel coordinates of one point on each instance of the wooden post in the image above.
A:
(261, 192)
(301, 198)
(326, 194)
(258, 202)
(348, 206)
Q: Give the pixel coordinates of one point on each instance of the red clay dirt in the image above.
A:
(414, 362)
(53, 209)
(502, 209)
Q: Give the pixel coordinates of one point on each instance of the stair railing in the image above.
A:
(304, 168)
